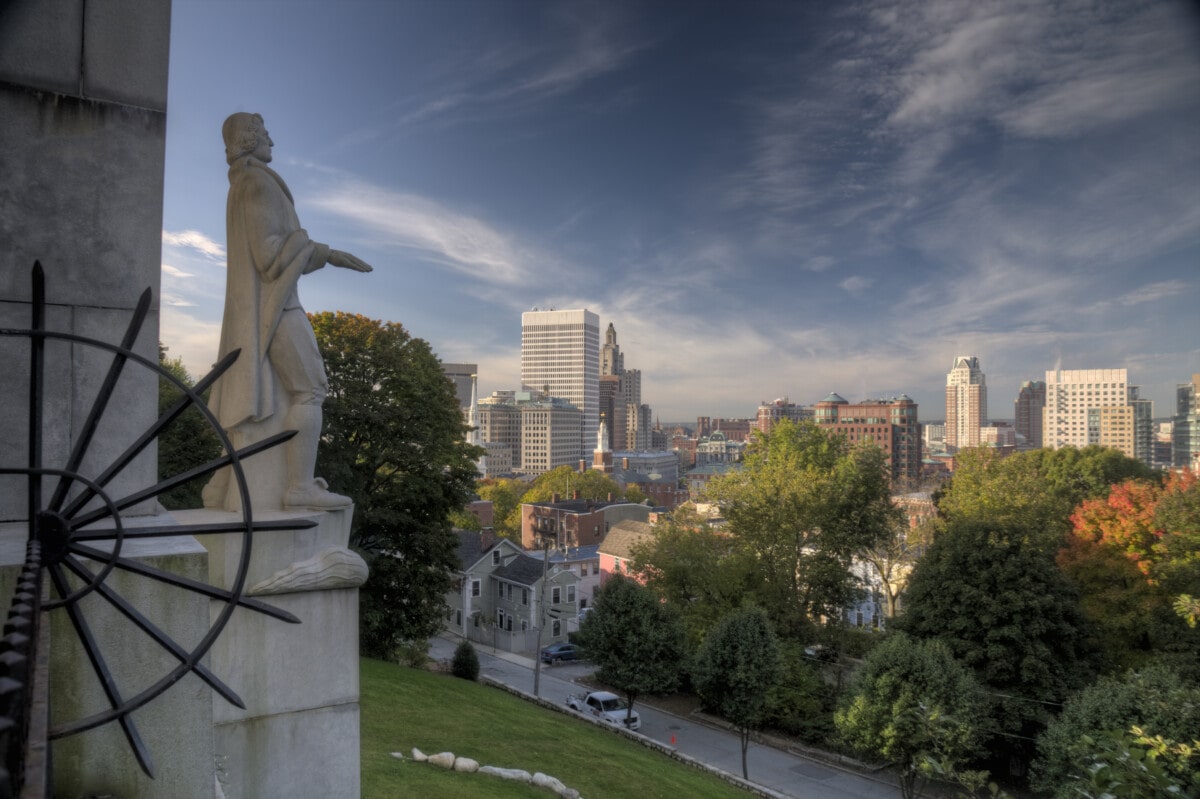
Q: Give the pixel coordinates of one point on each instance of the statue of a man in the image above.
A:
(268, 252)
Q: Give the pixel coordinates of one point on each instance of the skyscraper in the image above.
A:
(966, 402)
(1089, 406)
(1185, 443)
(1028, 409)
(560, 354)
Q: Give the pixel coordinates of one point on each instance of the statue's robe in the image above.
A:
(268, 251)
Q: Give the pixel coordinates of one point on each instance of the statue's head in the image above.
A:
(243, 133)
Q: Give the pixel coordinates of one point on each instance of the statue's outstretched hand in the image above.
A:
(348, 261)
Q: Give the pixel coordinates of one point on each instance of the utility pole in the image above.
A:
(537, 661)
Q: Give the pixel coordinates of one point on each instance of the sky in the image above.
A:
(766, 199)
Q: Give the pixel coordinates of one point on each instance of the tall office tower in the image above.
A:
(631, 396)
(612, 362)
(612, 410)
(462, 375)
(1143, 426)
(1027, 411)
(1088, 406)
(560, 354)
(1185, 437)
(966, 402)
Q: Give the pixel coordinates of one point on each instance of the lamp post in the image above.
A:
(537, 663)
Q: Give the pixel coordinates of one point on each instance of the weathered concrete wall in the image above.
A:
(83, 99)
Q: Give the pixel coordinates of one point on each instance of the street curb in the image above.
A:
(649, 743)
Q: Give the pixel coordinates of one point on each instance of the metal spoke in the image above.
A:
(102, 397)
(84, 632)
(147, 626)
(191, 397)
(37, 346)
(194, 529)
(186, 582)
(199, 471)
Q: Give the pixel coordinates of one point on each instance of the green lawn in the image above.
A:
(403, 708)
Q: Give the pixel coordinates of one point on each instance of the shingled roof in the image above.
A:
(624, 536)
(522, 570)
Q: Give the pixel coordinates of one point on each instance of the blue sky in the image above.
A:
(766, 199)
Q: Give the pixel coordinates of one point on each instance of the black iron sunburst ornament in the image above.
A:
(76, 537)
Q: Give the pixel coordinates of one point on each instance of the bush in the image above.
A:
(414, 654)
(466, 662)
(800, 703)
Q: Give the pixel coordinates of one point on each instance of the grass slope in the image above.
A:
(403, 708)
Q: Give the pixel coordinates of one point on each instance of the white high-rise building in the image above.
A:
(966, 402)
(1088, 406)
(560, 354)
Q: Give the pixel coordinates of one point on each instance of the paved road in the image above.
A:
(783, 772)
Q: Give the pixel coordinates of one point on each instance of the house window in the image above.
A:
(555, 595)
(524, 596)
(496, 556)
(458, 618)
(475, 588)
(508, 624)
(524, 625)
(500, 619)
(510, 592)
(556, 628)
(582, 602)
(475, 618)
(570, 593)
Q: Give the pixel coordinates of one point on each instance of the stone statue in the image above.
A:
(268, 252)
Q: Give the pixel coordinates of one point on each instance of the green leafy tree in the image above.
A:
(463, 519)
(799, 702)
(803, 506)
(1156, 700)
(1134, 765)
(696, 569)
(188, 442)
(566, 481)
(505, 495)
(735, 669)
(911, 703)
(394, 441)
(999, 602)
(636, 641)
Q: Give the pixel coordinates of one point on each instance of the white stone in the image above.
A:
(336, 567)
(569, 793)
(443, 759)
(419, 756)
(398, 755)
(546, 781)
(515, 774)
(466, 764)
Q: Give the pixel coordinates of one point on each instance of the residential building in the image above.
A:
(891, 424)
(966, 402)
(1091, 406)
(585, 562)
(769, 413)
(616, 550)
(574, 522)
(1185, 443)
(497, 596)
(560, 356)
(1028, 410)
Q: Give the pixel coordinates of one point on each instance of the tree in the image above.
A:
(892, 558)
(566, 482)
(694, 568)
(1156, 700)
(735, 669)
(636, 641)
(465, 664)
(394, 441)
(996, 598)
(505, 495)
(188, 442)
(803, 506)
(911, 703)
(1134, 765)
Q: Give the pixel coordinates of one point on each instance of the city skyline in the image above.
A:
(782, 200)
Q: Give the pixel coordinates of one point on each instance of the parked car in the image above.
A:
(557, 653)
(606, 706)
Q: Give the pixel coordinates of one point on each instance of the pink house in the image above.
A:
(616, 548)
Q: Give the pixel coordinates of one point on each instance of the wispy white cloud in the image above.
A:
(176, 272)
(195, 240)
(462, 242)
(856, 284)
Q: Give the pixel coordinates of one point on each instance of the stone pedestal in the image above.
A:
(298, 735)
(176, 727)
